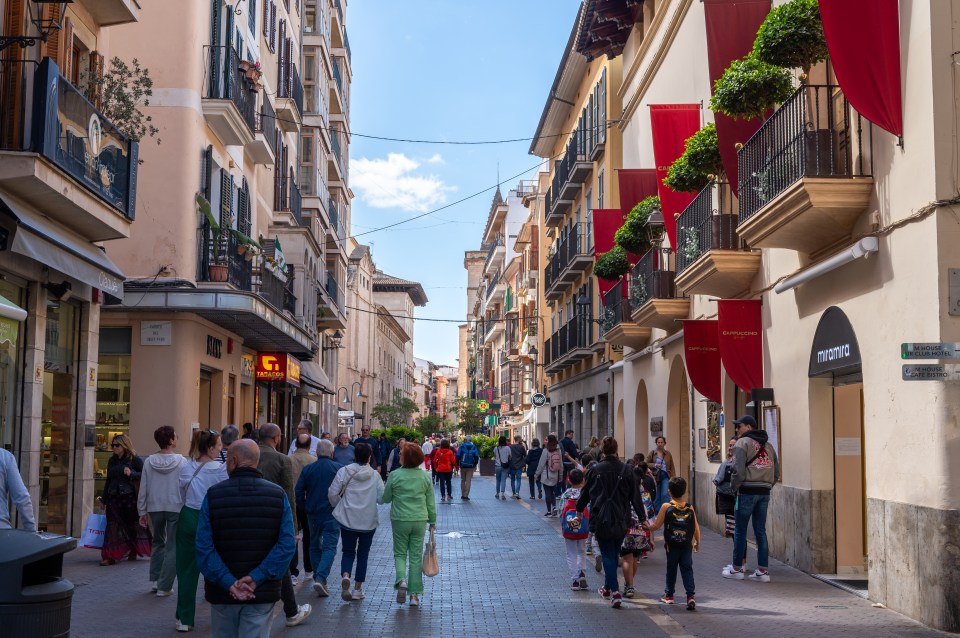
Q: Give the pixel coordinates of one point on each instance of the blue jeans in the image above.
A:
(356, 546)
(610, 552)
(516, 479)
(324, 534)
(534, 482)
(663, 494)
(751, 506)
(681, 557)
(239, 621)
(503, 475)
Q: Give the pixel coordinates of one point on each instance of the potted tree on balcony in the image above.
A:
(634, 235)
(792, 37)
(612, 265)
(217, 269)
(750, 88)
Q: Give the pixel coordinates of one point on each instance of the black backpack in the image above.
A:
(679, 525)
(611, 520)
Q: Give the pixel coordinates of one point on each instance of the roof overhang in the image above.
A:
(605, 27)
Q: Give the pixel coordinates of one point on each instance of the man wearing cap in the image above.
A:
(756, 469)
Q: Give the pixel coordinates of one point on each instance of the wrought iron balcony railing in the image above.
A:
(614, 310)
(708, 223)
(652, 278)
(227, 81)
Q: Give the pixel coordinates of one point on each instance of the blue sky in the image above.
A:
(443, 70)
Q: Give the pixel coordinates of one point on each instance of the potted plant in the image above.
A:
(485, 445)
(750, 88)
(792, 37)
(633, 235)
(698, 165)
(612, 264)
(217, 268)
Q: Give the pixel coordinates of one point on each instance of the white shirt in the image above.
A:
(193, 489)
(313, 445)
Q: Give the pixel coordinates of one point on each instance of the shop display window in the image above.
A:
(113, 398)
(11, 341)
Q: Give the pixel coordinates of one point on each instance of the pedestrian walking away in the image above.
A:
(571, 454)
(413, 507)
(198, 474)
(501, 457)
(756, 469)
(125, 537)
(681, 538)
(550, 472)
(13, 489)
(301, 458)
(354, 494)
(245, 539)
(726, 498)
(427, 449)
(574, 531)
(467, 458)
(518, 458)
(610, 489)
(530, 464)
(277, 468)
(445, 462)
(159, 504)
(312, 494)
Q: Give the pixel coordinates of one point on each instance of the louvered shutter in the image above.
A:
(228, 30)
(273, 26)
(266, 21)
(252, 16)
(244, 222)
(226, 198)
(281, 61)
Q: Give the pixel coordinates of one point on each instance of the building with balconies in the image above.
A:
(69, 191)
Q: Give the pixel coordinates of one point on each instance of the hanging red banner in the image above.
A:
(701, 350)
(731, 29)
(636, 184)
(606, 223)
(672, 124)
(864, 45)
(740, 327)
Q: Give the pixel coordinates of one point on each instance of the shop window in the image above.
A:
(113, 398)
(11, 335)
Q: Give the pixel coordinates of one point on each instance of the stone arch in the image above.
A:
(677, 425)
(641, 421)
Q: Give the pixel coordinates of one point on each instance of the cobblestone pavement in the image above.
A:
(503, 572)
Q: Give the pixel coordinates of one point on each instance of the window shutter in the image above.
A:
(252, 16)
(215, 23)
(206, 174)
(226, 199)
(266, 21)
(243, 213)
(228, 29)
(273, 26)
(281, 60)
(96, 72)
(603, 106)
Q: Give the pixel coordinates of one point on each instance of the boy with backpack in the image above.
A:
(574, 530)
(681, 537)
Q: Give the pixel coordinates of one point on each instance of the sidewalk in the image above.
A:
(503, 572)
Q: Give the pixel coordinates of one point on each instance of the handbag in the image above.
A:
(94, 531)
(430, 563)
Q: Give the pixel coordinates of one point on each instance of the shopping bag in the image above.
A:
(430, 563)
(93, 532)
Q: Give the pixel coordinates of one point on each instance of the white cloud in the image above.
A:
(436, 159)
(394, 183)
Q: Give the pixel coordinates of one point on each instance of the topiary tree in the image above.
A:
(750, 87)
(633, 236)
(612, 264)
(792, 36)
(701, 159)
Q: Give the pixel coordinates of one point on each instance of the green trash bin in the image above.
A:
(35, 599)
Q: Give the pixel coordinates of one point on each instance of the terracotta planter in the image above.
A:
(488, 467)
(218, 272)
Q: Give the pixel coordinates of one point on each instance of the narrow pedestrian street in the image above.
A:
(503, 573)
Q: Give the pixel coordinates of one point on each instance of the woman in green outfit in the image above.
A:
(410, 490)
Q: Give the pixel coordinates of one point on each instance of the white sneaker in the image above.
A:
(183, 628)
(345, 589)
(153, 585)
(321, 588)
(163, 594)
(307, 577)
(760, 576)
(414, 600)
(402, 592)
(302, 612)
(294, 579)
(731, 572)
(357, 594)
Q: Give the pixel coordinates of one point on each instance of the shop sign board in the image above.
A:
(942, 350)
(931, 372)
(656, 426)
(156, 333)
(247, 366)
(539, 399)
(277, 367)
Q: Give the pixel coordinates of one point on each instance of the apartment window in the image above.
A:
(311, 100)
(602, 109)
(307, 170)
(600, 188)
(252, 15)
(588, 200)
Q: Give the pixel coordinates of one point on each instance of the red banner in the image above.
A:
(701, 349)
(606, 223)
(741, 341)
(672, 125)
(636, 184)
(731, 29)
(864, 45)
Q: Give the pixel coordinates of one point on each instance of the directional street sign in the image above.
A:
(942, 350)
(539, 399)
(931, 372)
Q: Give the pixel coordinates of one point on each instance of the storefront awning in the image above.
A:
(40, 239)
(312, 376)
(10, 310)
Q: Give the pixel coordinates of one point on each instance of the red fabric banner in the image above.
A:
(731, 29)
(864, 45)
(740, 327)
(701, 350)
(636, 184)
(672, 124)
(606, 223)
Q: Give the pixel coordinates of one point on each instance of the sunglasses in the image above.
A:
(116, 445)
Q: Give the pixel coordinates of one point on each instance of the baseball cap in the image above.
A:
(747, 420)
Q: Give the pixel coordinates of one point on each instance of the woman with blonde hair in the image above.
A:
(124, 537)
(410, 490)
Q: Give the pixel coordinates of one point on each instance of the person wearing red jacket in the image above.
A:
(445, 462)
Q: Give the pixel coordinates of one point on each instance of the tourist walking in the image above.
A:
(609, 491)
(660, 462)
(365, 437)
(445, 462)
(467, 458)
(228, 435)
(301, 458)
(518, 457)
(393, 460)
(574, 532)
(501, 457)
(756, 470)
(531, 463)
(124, 537)
(159, 504)
(382, 450)
(305, 427)
(592, 453)
(571, 454)
(199, 473)
(244, 543)
(726, 498)
(550, 472)
(410, 493)
(312, 493)
(13, 489)
(344, 452)
(681, 537)
(354, 494)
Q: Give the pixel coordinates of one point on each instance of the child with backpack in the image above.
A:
(681, 537)
(574, 530)
(550, 472)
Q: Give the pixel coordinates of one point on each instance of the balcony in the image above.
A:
(580, 165)
(276, 287)
(573, 342)
(111, 12)
(711, 258)
(335, 159)
(263, 149)
(572, 258)
(230, 104)
(289, 99)
(338, 88)
(616, 323)
(330, 306)
(59, 153)
(286, 198)
(653, 293)
(495, 255)
(221, 261)
(336, 224)
(493, 329)
(333, 289)
(805, 176)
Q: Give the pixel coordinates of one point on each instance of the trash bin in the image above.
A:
(35, 599)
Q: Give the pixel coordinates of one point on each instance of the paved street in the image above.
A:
(503, 573)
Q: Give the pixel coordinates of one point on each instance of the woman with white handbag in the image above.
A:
(354, 494)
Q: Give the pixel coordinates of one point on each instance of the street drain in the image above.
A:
(498, 549)
(831, 606)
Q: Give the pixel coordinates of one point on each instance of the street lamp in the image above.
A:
(46, 22)
(336, 341)
(656, 228)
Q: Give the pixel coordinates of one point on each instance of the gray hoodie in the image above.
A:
(357, 508)
(160, 484)
(756, 467)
